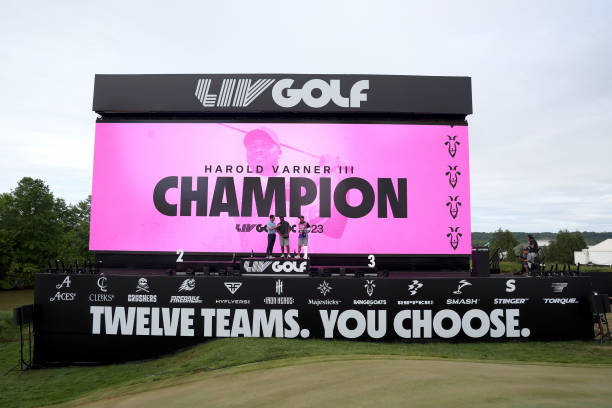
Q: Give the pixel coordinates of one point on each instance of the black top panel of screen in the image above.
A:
(282, 95)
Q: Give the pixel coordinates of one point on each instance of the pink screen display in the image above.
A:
(210, 187)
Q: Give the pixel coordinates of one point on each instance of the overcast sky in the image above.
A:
(541, 137)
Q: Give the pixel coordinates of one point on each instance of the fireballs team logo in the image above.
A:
(233, 286)
(324, 288)
(453, 206)
(454, 236)
(414, 287)
(453, 175)
(187, 285)
(452, 144)
(242, 92)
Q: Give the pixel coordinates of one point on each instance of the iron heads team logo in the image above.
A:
(233, 286)
(143, 285)
(453, 175)
(462, 284)
(454, 236)
(369, 285)
(279, 287)
(187, 285)
(453, 205)
(414, 287)
(102, 284)
(452, 145)
(324, 288)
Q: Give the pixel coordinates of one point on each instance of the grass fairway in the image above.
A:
(376, 381)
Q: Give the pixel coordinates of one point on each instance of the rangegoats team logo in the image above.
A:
(143, 285)
(453, 205)
(452, 145)
(187, 285)
(242, 92)
(369, 285)
(453, 175)
(462, 284)
(414, 287)
(454, 236)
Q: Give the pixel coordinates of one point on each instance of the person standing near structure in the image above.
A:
(283, 229)
(303, 230)
(271, 228)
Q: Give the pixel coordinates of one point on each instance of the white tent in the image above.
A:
(600, 254)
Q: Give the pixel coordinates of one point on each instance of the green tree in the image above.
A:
(562, 249)
(505, 242)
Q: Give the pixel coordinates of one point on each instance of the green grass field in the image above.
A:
(264, 372)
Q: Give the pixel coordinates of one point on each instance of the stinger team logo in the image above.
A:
(462, 284)
(187, 285)
(414, 287)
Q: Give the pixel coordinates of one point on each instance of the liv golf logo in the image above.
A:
(315, 93)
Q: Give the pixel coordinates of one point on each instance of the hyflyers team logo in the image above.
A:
(242, 92)
(414, 287)
(452, 145)
(454, 236)
(187, 285)
(453, 205)
(233, 286)
(453, 175)
(369, 285)
(143, 285)
(462, 284)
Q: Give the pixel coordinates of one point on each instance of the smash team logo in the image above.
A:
(452, 145)
(187, 285)
(462, 284)
(414, 287)
(233, 286)
(324, 288)
(453, 175)
(454, 236)
(453, 205)
(315, 93)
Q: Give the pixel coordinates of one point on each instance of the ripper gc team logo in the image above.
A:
(454, 236)
(315, 93)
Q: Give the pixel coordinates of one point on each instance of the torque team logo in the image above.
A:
(414, 287)
(454, 236)
(187, 285)
(324, 288)
(233, 286)
(558, 287)
(462, 284)
(369, 285)
(143, 285)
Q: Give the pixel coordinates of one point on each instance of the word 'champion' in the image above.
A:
(302, 192)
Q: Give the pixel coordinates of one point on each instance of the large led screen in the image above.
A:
(210, 187)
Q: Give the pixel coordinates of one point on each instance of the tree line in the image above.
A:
(36, 227)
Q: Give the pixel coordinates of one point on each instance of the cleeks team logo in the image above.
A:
(454, 236)
(453, 205)
(102, 283)
(452, 144)
(453, 175)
